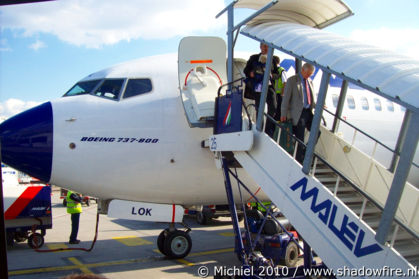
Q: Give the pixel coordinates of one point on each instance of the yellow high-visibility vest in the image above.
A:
(72, 206)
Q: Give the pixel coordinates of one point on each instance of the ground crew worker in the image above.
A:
(280, 79)
(74, 208)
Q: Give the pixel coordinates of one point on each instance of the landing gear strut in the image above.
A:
(174, 243)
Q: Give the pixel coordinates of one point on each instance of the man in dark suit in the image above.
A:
(254, 71)
(298, 103)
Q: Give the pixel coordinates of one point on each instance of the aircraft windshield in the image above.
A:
(110, 89)
(84, 87)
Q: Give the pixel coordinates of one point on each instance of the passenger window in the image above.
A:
(390, 106)
(137, 87)
(402, 108)
(364, 103)
(80, 88)
(335, 99)
(351, 102)
(377, 104)
(110, 89)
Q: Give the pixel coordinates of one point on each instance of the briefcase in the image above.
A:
(286, 140)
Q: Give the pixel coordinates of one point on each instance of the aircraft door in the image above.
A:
(202, 70)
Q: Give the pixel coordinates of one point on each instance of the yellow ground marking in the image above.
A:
(57, 246)
(77, 267)
(80, 265)
(132, 240)
(185, 262)
(227, 233)
(211, 252)
(204, 253)
(85, 267)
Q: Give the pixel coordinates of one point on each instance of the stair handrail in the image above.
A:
(353, 184)
(367, 135)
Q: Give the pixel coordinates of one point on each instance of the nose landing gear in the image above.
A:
(174, 243)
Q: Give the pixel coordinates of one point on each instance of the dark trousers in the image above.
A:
(272, 107)
(304, 122)
(278, 106)
(75, 219)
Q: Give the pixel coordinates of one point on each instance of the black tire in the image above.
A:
(88, 202)
(240, 217)
(201, 218)
(177, 244)
(160, 242)
(271, 227)
(64, 202)
(254, 214)
(35, 240)
(291, 254)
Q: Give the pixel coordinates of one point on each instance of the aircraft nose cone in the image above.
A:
(26, 141)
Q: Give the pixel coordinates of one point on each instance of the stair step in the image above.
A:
(325, 179)
(369, 210)
(414, 260)
(347, 198)
(408, 248)
(341, 188)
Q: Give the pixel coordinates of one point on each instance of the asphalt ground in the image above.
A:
(124, 249)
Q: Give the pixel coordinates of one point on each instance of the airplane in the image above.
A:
(121, 134)
(134, 135)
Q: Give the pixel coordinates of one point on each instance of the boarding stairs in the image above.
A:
(335, 216)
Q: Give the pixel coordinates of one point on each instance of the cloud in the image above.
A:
(94, 23)
(4, 45)
(403, 41)
(37, 45)
(14, 106)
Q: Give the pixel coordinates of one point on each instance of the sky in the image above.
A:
(47, 47)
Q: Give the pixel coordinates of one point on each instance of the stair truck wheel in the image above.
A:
(160, 242)
(271, 227)
(177, 244)
(291, 254)
(35, 240)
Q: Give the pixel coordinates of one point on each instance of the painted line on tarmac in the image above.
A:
(80, 265)
(77, 265)
(132, 240)
(185, 262)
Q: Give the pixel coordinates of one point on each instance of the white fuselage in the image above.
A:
(140, 148)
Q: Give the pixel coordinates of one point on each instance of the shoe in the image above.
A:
(74, 241)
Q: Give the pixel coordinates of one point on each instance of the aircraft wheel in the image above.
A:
(64, 202)
(177, 244)
(35, 240)
(201, 218)
(291, 254)
(160, 242)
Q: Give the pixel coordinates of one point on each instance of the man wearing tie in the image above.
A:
(298, 103)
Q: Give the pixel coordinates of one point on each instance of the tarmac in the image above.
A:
(124, 249)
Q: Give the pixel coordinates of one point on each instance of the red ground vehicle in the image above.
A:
(63, 195)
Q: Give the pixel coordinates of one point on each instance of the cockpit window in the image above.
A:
(137, 87)
(110, 89)
(83, 87)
